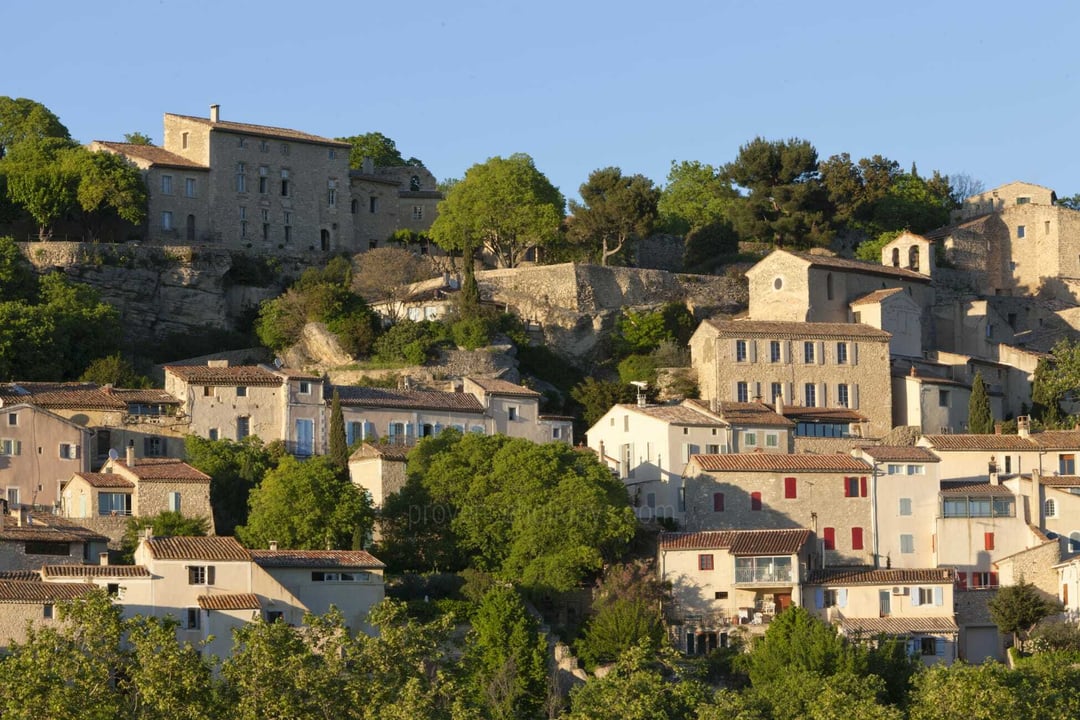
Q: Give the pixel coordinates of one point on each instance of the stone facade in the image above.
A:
(378, 469)
(1035, 565)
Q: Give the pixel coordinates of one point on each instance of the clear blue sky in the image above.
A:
(989, 89)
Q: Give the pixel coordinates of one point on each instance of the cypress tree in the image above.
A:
(339, 447)
(980, 419)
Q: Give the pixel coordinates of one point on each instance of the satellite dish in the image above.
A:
(113, 454)
(278, 362)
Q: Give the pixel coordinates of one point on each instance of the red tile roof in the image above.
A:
(800, 412)
(222, 549)
(970, 488)
(808, 330)
(18, 591)
(777, 462)
(236, 601)
(1059, 480)
(739, 542)
(316, 559)
(386, 451)
(1058, 439)
(105, 480)
(899, 625)
(148, 396)
(899, 453)
(48, 528)
(876, 296)
(980, 442)
(407, 399)
(24, 575)
(60, 396)
(246, 375)
(263, 131)
(164, 469)
(859, 266)
(881, 576)
(502, 387)
(152, 154)
(753, 414)
(681, 414)
(94, 571)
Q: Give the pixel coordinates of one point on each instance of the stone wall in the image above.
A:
(660, 252)
(1035, 566)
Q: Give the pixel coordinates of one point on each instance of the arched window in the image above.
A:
(896, 257)
(1050, 508)
(828, 287)
(913, 257)
(353, 205)
(190, 227)
(1074, 542)
(324, 239)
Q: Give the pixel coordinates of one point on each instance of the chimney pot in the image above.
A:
(129, 457)
(215, 113)
(273, 545)
(103, 558)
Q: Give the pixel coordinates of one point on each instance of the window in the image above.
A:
(755, 501)
(264, 146)
(213, 432)
(988, 541)
(114, 504)
(192, 618)
(556, 433)
(13, 419)
(927, 645)
(1008, 463)
(1023, 200)
(174, 502)
(241, 177)
(1050, 508)
(372, 203)
(43, 547)
(166, 184)
(418, 212)
(810, 391)
(943, 398)
(852, 487)
(70, 451)
(808, 352)
(1046, 227)
(13, 496)
(284, 148)
(720, 595)
(749, 438)
(712, 449)
(828, 598)
(905, 506)
(742, 392)
(47, 611)
(200, 574)
(241, 391)
(772, 440)
(166, 220)
(1067, 464)
(189, 187)
(284, 183)
(682, 499)
(778, 283)
(113, 589)
(512, 412)
(331, 154)
(984, 579)
(841, 353)
(828, 286)
(907, 544)
(183, 140)
(856, 538)
(718, 502)
(264, 183)
(243, 427)
(842, 395)
(828, 537)
(240, 141)
(1021, 231)
(740, 351)
(154, 447)
(791, 488)
(354, 205)
(763, 569)
(305, 387)
(272, 616)
(774, 351)
(776, 390)
(705, 562)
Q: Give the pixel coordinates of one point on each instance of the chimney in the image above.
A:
(1023, 426)
(223, 363)
(780, 404)
(107, 389)
(997, 428)
(103, 558)
(148, 533)
(273, 545)
(714, 405)
(129, 457)
(215, 113)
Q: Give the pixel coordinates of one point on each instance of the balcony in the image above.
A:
(763, 571)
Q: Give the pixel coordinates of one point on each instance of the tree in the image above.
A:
(166, 679)
(110, 183)
(381, 149)
(980, 418)
(116, 371)
(17, 278)
(696, 195)
(785, 203)
(23, 120)
(386, 273)
(965, 186)
(306, 506)
(1056, 379)
(1018, 608)
(598, 396)
(854, 189)
(43, 177)
(138, 138)
(1071, 202)
(626, 611)
(870, 250)
(616, 210)
(506, 657)
(979, 692)
(339, 446)
(708, 243)
(235, 468)
(165, 524)
(504, 205)
(415, 532)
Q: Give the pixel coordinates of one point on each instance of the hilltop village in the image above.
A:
(879, 443)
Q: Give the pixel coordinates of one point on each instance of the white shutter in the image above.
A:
(821, 353)
(853, 353)
(939, 596)
(823, 395)
(854, 390)
(789, 397)
(752, 350)
(785, 351)
(841, 597)
(915, 597)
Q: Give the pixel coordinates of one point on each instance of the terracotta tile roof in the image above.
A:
(777, 462)
(148, 396)
(316, 559)
(105, 480)
(298, 375)
(739, 542)
(502, 387)
(864, 268)
(876, 296)
(682, 414)
(223, 549)
(408, 399)
(1058, 439)
(48, 528)
(94, 571)
(880, 576)
(980, 442)
(164, 469)
(781, 329)
(17, 591)
(23, 575)
(899, 625)
(754, 414)
(60, 396)
(970, 488)
(826, 414)
(263, 131)
(152, 154)
(236, 601)
(1059, 480)
(900, 453)
(247, 375)
(975, 223)
(385, 451)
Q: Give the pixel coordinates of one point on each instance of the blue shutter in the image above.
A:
(939, 646)
(369, 432)
(438, 428)
(819, 598)
(939, 597)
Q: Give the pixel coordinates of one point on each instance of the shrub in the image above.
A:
(471, 333)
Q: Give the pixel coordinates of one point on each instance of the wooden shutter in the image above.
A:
(210, 575)
(988, 541)
(718, 502)
(862, 486)
(829, 535)
(961, 580)
(755, 501)
(856, 538)
(790, 488)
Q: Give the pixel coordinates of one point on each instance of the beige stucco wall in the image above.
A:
(960, 542)
(378, 476)
(37, 471)
(910, 252)
(353, 599)
(922, 491)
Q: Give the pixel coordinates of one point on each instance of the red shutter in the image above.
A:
(988, 541)
(993, 579)
(862, 486)
(829, 535)
(718, 502)
(790, 488)
(847, 487)
(961, 580)
(856, 538)
(755, 501)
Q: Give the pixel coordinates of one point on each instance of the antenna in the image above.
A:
(113, 454)
(641, 386)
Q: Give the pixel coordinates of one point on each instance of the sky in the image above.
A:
(989, 89)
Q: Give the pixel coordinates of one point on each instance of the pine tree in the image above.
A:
(339, 446)
(980, 419)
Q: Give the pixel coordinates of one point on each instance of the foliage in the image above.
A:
(306, 506)
(695, 196)
(504, 205)
(116, 371)
(1056, 379)
(167, 680)
(138, 138)
(645, 330)
(598, 396)
(386, 273)
(1055, 637)
(506, 657)
(980, 692)
(626, 607)
(615, 210)
(980, 418)
(381, 149)
(235, 468)
(110, 182)
(43, 177)
(338, 441)
(706, 243)
(541, 515)
(411, 342)
(165, 524)
(1018, 608)
(637, 368)
(471, 332)
(17, 278)
(870, 250)
(23, 120)
(416, 533)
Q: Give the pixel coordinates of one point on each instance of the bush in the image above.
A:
(411, 342)
(637, 368)
(471, 333)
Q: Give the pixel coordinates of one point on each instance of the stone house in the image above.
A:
(829, 494)
(38, 451)
(387, 199)
(807, 364)
(725, 579)
(649, 446)
(379, 469)
(931, 401)
(29, 540)
(514, 411)
(971, 457)
(915, 605)
(29, 602)
(1054, 504)
(1069, 586)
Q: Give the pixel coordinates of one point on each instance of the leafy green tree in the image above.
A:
(138, 138)
(695, 196)
(339, 446)
(17, 278)
(980, 418)
(1071, 202)
(855, 188)
(165, 524)
(785, 203)
(85, 327)
(411, 342)
(616, 209)
(1018, 608)
(979, 692)
(596, 397)
(306, 506)
(235, 469)
(381, 149)
(1056, 378)
(23, 120)
(110, 183)
(43, 177)
(116, 371)
(707, 243)
(626, 611)
(914, 203)
(506, 657)
(870, 250)
(166, 680)
(416, 533)
(504, 205)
